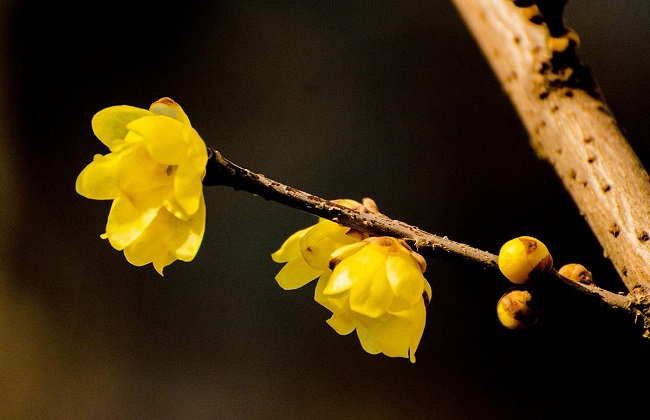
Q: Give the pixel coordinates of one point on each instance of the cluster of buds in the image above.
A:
(524, 261)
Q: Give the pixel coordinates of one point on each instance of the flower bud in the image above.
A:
(577, 273)
(516, 309)
(523, 259)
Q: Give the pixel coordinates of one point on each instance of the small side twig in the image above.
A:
(221, 171)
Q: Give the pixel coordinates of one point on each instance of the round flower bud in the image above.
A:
(516, 309)
(577, 273)
(523, 259)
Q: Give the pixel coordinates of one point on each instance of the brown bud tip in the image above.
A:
(577, 273)
(516, 309)
(370, 205)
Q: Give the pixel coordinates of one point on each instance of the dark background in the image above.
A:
(390, 100)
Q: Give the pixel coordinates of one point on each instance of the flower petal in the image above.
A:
(161, 261)
(169, 107)
(335, 303)
(428, 291)
(126, 223)
(109, 124)
(290, 248)
(372, 295)
(340, 281)
(397, 336)
(405, 277)
(163, 137)
(318, 244)
(149, 248)
(368, 340)
(98, 180)
(295, 274)
(146, 182)
(342, 323)
(364, 275)
(188, 189)
(184, 237)
(167, 239)
(416, 317)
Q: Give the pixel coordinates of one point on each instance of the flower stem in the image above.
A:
(221, 171)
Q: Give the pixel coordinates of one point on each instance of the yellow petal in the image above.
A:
(109, 124)
(98, 180)
(167, 239)
(335, 303)
(398, 336)
(318, 243)
(185, 236)
(417, 316)
(145, 182)
(347, 251)
(340, 281)
(163, 138)
(405, 277)
(356, 266)
(126, 223)
(161, 261)
(296, 273)
(188, 189)
(392, 337)
(364, 275)
(290, 248)
(342, 323)
(144, 250)
(367, 340)
(428, 291)
(371, 295)
(149, 247)
(167, 106)
(145, 200)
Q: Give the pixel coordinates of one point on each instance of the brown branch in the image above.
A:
(569, 124)
(221, 171)
(534, 57)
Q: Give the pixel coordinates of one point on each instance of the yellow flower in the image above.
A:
(377, 288)
(307, 252)
(153, 174)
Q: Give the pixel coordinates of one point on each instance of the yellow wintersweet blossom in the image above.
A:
(153, 174)
(307, 252)
(377, 288)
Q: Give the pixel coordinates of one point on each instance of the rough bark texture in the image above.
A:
(571, 127)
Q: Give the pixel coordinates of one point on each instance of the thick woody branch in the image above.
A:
(221, 171)
(534, 58)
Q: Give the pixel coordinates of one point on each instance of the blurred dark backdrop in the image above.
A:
(390, 100)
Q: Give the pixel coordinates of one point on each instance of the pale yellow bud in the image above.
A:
(577, 273)
(524, 258)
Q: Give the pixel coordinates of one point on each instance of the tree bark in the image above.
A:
(570, 126)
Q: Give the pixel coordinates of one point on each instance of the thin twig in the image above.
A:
(221, 171)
